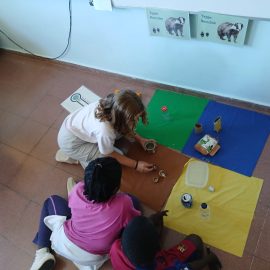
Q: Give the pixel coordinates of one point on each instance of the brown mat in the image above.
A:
(154, 195)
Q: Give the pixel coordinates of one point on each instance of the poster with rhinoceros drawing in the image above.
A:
(168, 23)
(230, 30)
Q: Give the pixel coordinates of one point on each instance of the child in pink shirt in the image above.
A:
(84, 228)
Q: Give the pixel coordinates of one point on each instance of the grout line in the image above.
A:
(251, 262)
(259, 238)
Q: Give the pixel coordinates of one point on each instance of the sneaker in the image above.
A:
(70, 184)
(61, 157)
(44, 260)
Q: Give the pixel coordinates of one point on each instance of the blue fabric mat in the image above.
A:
(242, 138)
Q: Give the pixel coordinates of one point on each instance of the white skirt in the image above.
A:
(76, 148)
(64, 247)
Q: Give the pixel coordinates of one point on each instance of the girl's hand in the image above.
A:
(144, 167)
(157, 220)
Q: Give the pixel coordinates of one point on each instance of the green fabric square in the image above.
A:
(172, 127)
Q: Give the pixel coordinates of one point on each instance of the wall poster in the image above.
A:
(221, 28)
(168, 23)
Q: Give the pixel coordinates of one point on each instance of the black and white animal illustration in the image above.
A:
(229, 29)
(175, 25)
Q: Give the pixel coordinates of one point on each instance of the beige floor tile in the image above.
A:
(46, 149)
(12, 209)
(27, 136)
(11, 123)
(11, 257)
(259, 264)
(47, 110)
(263, 246)
(36, 180)
(23, 232)
(10, 160)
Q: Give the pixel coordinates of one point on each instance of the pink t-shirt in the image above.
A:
(118, 258)
(94, 226)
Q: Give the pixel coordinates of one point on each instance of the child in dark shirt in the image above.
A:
(139, 249)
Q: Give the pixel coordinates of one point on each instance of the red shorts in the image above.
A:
(181, 252)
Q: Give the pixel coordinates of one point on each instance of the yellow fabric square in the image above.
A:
(232, 206)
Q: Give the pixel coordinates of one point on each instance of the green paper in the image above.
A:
(173, 127)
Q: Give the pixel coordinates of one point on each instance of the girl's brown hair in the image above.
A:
(120, 109)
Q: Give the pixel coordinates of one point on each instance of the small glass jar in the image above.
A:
(204, 211)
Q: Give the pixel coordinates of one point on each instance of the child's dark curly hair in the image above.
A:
(140, 242)
(102, 179)
(120, 109)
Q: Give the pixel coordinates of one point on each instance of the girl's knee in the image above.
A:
(53, 198)
(57, 205)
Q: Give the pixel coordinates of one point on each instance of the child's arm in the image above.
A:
(157, 220)
(139, 165)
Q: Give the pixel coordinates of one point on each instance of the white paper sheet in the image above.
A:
(79, 98)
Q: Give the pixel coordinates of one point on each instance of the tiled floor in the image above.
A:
(31, 91)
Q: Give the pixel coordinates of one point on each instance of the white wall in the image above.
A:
(119, 42)
(252, 9)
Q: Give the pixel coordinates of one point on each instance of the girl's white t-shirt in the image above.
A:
(84, 125)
